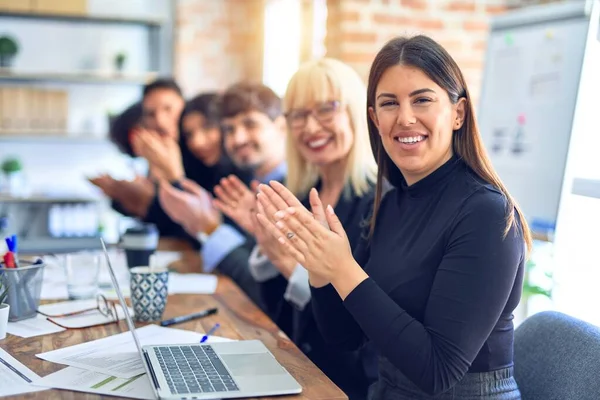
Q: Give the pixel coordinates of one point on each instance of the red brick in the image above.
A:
(430, 23)
(475, 25)
(452, 46)
(349, 16)
(415, 4)
(391, 19)
(480, 45)
(464, 6)
(495, 9)
(359, 37)
(357, 57)
(476, 64)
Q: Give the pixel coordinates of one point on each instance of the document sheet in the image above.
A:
(81, 380)
(15, 378)
(117, 355)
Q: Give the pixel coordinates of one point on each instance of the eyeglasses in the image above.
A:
(323, 113)
(104, 313)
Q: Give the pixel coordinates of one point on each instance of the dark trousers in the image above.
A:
(493, 385)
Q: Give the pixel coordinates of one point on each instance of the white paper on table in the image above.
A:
(192, 283)
(33, 327)
(178, 284)
(90, 318)
(15, 378)
(81, 380)
(117, 355)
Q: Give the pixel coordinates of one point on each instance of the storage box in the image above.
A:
(61, 7)
(16, 5)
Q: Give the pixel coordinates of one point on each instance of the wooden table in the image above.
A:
(239, 319)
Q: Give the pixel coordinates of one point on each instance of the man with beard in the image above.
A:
(254, 131)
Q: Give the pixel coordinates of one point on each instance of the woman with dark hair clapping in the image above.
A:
(435, 285)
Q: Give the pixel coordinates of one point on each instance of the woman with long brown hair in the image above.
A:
(437, 281)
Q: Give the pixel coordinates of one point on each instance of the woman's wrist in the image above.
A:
(286, 266)
(347, 282)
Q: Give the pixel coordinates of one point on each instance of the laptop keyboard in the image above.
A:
(194, 369)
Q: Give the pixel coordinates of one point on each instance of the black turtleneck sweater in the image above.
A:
(443, 281)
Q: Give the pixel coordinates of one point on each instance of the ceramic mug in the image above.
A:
(149, 291)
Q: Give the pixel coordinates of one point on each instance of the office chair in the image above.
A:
(557, 357)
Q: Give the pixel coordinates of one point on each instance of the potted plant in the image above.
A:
(12, 167)
(4, 309)
(120, 59)
(8, 50)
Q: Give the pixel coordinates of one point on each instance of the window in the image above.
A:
(283, 34)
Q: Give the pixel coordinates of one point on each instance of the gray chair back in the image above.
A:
(557, 357)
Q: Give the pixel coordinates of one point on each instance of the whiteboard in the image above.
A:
(530, 84)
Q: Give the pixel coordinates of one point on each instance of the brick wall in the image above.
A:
(357, 29)
(217, 42)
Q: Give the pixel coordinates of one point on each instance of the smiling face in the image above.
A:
(253, 140)
(415, 119)
(322, 132)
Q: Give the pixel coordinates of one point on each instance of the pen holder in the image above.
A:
(24, 289)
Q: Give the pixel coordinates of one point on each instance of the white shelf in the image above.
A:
(9, 74)
(27, 137)
(98, 19)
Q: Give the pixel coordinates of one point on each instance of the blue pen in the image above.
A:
(212, 330)
(11, 243)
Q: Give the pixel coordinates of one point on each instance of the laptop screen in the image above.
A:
(122, 300)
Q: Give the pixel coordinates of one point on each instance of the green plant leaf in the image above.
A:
(532, 290)
(11, 165)
(8, 46)
(3, 294)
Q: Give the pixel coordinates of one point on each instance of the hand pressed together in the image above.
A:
(317, 240)
(237, 201)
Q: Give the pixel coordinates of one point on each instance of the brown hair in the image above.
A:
(245, 97)
(433, 60)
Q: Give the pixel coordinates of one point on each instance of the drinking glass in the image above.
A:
(82, 270)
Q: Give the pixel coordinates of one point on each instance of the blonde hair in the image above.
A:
(324, 80)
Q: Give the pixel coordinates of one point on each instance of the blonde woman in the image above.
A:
(327, 148)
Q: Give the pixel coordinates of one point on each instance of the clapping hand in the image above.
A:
(316, 240)
(270, 247)
(191, 207)
(237, 201)
(134, 196)
(162, 152)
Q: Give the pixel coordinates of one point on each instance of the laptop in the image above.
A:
(244, 368)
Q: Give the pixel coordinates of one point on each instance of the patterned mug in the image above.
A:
(149, 291)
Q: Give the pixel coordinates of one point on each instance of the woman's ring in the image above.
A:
(290, 235)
